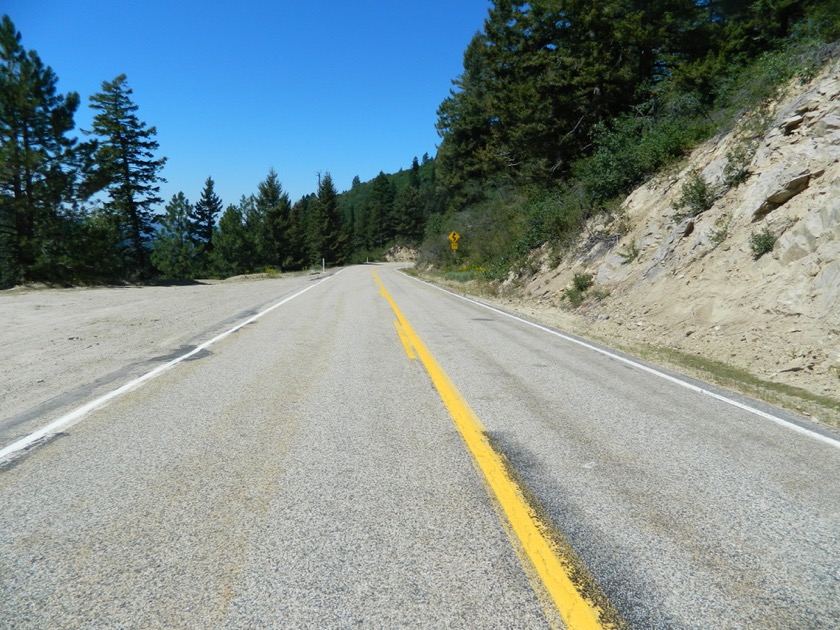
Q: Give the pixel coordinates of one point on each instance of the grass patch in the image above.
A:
(721, 230)
(826, 408)
(738, 161)
(630, 252)
(459, 276)
(581, 283)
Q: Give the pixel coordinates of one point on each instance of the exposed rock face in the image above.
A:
(791, 185)
(696, 286)
(401, 253)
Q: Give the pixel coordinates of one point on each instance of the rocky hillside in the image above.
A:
(682, 267)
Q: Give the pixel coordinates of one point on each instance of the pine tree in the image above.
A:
(414, 174)
(273, 205)
(40, 165)
(361, 237)
(297, 253)
(326, 237)
(126, 157)
(203, 217)
(175, 252)
(380, 220)
(231, 250)
(408, 214)
(541, 75)
(466, 125)
(253, 223)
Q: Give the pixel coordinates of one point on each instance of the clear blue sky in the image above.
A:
(237, 87)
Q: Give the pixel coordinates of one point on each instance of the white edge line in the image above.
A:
(68, 419)
(781, 421)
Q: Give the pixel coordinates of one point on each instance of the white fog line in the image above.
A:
(677, 381)
(65, 421)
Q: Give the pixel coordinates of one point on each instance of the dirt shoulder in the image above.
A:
(710, 354)
(60, 347)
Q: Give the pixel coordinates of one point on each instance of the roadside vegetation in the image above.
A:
(561, 109)
(624, 90)
(89, 211)
(825, 408)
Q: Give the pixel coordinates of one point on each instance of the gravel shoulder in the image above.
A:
(62, 347)
(705, 353)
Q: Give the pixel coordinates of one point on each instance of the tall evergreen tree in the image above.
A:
(361, 237)
(40, 165)
(253, 222)
(414, 174)
(232, 247)
(380, 220)
(326, 237)
(408, 215)
(273, 205)
(297, 253)
(175, 252)
(466, 124)
(126, 157)
(203, 217)
(542, 74)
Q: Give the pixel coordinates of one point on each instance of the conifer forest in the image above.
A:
(562, 107)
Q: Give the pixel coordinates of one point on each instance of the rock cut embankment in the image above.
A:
(694, 283)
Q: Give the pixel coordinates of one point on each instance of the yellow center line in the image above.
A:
(579, 602)
(409, 350)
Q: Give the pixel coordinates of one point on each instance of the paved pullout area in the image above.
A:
(303, 472)
(62, 347)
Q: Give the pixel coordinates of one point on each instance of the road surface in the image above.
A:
(306, 471)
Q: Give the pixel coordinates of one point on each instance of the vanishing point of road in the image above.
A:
(370, 451)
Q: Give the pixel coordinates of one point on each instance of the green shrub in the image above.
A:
(575, 296)
(769, 72)
(630, 252)
(459, 276)
(737, 160)
(632, 147)
(582, 281)
(721, 230)
(580, 285)
(599, 295)
(553, 216)
(696, 196)
(762, 243)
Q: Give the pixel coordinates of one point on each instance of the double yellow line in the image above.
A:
(564, 579)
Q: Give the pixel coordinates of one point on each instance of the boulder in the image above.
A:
(791, 124)
(782, 190)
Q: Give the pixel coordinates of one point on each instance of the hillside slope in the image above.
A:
(692, 285)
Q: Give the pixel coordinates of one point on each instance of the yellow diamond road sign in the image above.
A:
(454, 236)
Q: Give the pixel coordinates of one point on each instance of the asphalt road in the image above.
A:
(303, 472)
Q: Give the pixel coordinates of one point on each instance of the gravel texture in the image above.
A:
(62, 347)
